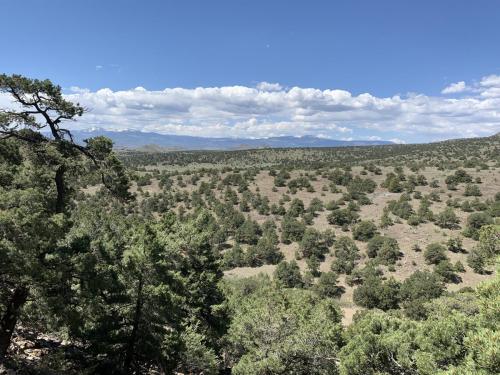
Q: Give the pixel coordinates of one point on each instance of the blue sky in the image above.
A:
(388, 49)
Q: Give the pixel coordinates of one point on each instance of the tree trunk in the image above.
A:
(9, 320)
(129, 356)
(60, 189)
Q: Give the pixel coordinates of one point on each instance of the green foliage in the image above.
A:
(472, 190)
(292, 230)
(401, 208)
(487, 250)
(376, 293)
(39, 177)
(417, 289)
(288, 274)
(447, 271)
(447, 219)
(249, 232)
(234, 257)
(455, 245)
(460, 176)
(342, 217)
(455, 338)
(291, 331)
(474, 222)
(327, 285)
(435, 253)
(313, 244)
(385, 249)
(346, 254)
(364, 230)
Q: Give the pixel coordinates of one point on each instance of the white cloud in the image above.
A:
(272, 110)
(266, 86)
(99, 67)
(492, 80)
(455, 88)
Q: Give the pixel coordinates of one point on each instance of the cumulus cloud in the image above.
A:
(455, 88)
(266, 86)
(272, 110)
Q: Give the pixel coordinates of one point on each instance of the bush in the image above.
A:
(435, 253)
(364, 230)
(312, 244)
(342, 217)
(296, 207)
(327, 285)
(455, 244)
(288, 274)
(447, 219)
(374, 293)
(474, 222)
(414, 220)
(313, 264)
(446, 270)
(460, 176)
(291, 229)
(487, 250)
(459, 267)
(401, 208)
(265, 251)
(234, 257)
(476, 261)
(385, 249)
(472, 191)
(346, 253)
(417, 289)
(248, 233)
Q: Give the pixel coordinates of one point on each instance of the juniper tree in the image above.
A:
(41, 173)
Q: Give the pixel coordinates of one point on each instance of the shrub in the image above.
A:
(385, 249)
(313, 264)
(375, 293)
(401, 208)
(234, 257)
(474, 222)
(417, 289)
(446, 270)
(455, 244)
(460, 176)
(327, 285)
(472, 191)
(288, 274)
(364, 230)
(434, 253)
(487, 250)
(346, 253)
(385, 220)
(342, 217)
(312, 244)
(459, 267)
(447, 219)
(296, 207)
(291, 229)
(476, 261)
(248, 233)
(414, 220)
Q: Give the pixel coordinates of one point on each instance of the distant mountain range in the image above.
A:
(131, 139)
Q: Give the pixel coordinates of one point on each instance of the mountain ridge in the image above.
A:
(133, 139)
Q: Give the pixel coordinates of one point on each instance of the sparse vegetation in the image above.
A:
(247, 261)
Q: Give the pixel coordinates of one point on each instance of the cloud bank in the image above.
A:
(270, 109)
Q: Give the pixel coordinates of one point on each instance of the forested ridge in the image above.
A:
(240, 262)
